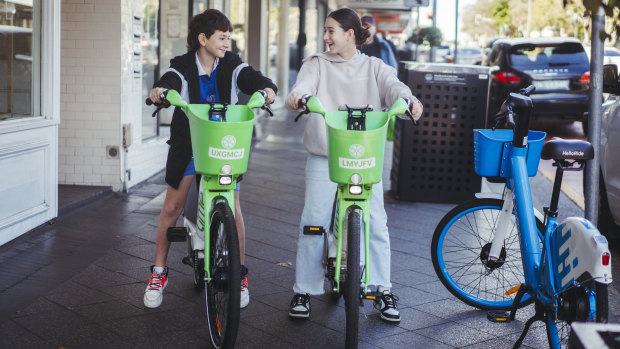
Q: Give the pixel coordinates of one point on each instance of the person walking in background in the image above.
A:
(376, 46)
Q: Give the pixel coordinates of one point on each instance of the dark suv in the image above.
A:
(558, 67)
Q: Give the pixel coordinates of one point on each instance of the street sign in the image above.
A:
(400, 5)
(416, 3)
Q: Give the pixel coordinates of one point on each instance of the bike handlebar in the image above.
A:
(165, 103)
(506, 113)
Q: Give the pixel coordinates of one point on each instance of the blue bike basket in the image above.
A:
(491, 151)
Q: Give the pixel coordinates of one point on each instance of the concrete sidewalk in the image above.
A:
(80, 283)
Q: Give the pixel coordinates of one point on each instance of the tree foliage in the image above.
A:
(429, 35)
(612, 12)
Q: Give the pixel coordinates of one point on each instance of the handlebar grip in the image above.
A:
(510, 119)
(148, 101)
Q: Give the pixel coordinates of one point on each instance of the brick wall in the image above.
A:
(90, 92)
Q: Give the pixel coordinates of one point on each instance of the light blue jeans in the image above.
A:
(319, 200)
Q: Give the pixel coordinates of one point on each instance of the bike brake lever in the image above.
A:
(302, 113)
(410, 115)
(266, 107)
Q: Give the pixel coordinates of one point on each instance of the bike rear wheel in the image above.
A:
(460, 244)
(352, 284)
(593, 293)
(222, 292)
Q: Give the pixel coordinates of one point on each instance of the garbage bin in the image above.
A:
(592, 335)
(434, 160)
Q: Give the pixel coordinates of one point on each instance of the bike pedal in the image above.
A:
(498, 316)
(176, 234)
(372, 295)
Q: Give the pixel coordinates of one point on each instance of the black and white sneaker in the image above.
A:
(300, 306)
(386, 304)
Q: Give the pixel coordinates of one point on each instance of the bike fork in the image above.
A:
(502, 226)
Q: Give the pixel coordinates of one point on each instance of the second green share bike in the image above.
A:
(352, 132)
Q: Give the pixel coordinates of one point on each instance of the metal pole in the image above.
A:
(434, 48)
(417, 33)
(456, 30)
(594, 117)
(301, 39)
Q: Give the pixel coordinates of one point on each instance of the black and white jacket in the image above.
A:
(233, 76)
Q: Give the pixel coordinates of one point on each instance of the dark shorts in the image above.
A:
(191, 170)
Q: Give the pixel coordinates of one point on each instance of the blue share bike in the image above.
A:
(496, 255)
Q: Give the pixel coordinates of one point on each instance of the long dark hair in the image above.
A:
(348, 19)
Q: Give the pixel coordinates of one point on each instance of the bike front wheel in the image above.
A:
(460, 248)
(222, 291)
(352, 283)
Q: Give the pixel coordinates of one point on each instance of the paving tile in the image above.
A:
(413, 319)
(71, 294)
(454, 334)
(407, 340)
(109, 310)
(97, 277)
(15, 336)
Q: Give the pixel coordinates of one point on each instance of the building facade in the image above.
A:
(74, 75)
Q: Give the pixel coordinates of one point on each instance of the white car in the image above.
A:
(611, 55)
(609, 187)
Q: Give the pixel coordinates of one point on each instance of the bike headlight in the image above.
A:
(355, 189)
(226, 169)
(356, 178)
(225, 180)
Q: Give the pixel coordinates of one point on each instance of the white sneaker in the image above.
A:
(245, 293)
(386, 304)
(154, 292)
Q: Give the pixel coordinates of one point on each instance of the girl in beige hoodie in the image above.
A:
(340, 76)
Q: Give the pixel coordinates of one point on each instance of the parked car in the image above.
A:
(467, 55)
(611, 55)
(558, 67)
(609, 182)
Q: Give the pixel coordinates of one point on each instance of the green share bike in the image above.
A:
(356, 142)
(221, 136)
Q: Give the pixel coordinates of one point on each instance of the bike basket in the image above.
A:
(491, 151)
(358, 152)
(218, 143)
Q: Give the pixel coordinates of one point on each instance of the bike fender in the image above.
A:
(577, 247)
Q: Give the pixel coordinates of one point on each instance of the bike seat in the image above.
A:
(567, 149)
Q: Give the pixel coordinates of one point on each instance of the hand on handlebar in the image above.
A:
(270, 95)
(156, 95)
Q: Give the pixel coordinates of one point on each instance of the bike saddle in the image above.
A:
(567, 149)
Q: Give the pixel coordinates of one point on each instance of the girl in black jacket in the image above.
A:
(208, 72)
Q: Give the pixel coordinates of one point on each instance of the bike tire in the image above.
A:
(471, 226)
(352, 284)
(558, 330)
(222, 292)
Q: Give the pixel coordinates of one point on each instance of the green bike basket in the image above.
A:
(358, 152)
(218, 143)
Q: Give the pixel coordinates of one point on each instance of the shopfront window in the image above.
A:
(238, 18)
(19, 59)
(150, 62)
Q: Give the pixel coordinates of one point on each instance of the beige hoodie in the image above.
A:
(335, 81)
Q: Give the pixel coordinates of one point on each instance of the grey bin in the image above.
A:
(434, 160)
(592, 335)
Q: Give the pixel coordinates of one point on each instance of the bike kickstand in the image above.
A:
(537, 317)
